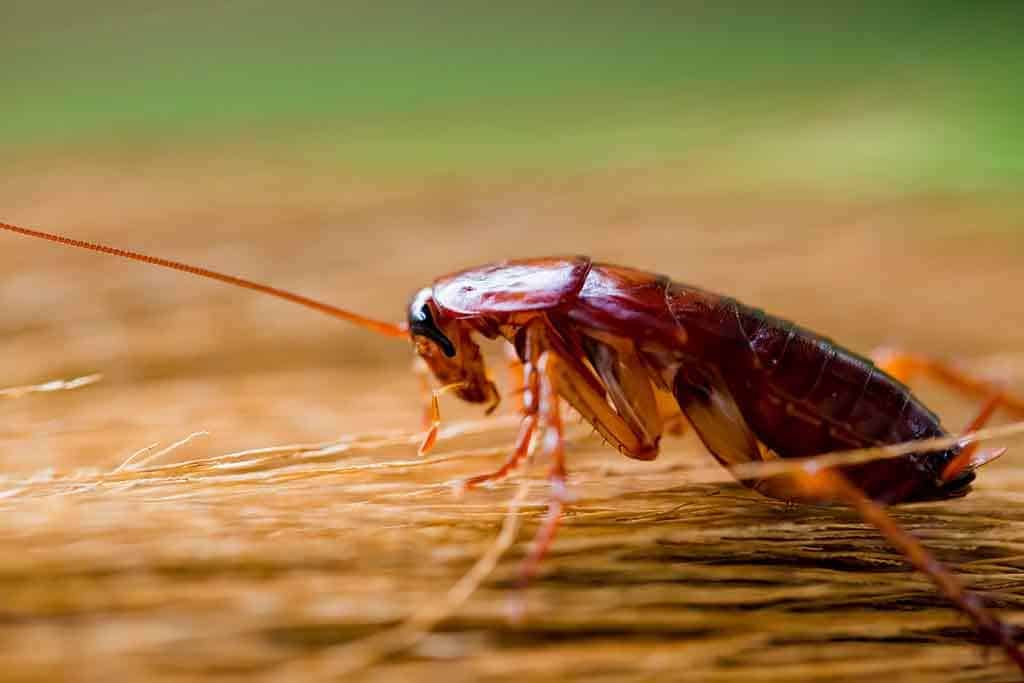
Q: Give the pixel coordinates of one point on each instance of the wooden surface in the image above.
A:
(269, 566)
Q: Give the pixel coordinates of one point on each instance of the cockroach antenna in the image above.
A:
(603, 337)
(379, 326)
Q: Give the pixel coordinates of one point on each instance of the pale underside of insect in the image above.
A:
(633, 352)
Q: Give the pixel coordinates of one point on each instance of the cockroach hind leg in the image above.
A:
(990, 628)
(904, 366)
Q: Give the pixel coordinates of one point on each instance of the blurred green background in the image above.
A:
(862, 97)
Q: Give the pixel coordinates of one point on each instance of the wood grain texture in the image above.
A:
(260, 566)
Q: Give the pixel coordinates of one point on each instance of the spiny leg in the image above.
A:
(540, 404)
(560, 375)
(530, 399)
(434, 418)
(516, 378)
(523, 389)
(831, 484)
(554, 374)
(518, 454)
(903, 366)
(563, 377)
(553, 446)
(636, 438)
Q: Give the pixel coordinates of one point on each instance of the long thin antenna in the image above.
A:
(378, 326)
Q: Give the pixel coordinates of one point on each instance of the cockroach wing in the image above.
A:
(629, 388)
(512, 286)
(711, 409)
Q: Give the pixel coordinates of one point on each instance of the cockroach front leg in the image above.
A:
(529, 398)
(422, 372)
(516, 377)
(432, 415)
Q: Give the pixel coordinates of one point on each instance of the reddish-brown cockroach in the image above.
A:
(615, 342)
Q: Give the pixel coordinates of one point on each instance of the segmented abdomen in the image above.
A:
(801, 393)
(812, 395)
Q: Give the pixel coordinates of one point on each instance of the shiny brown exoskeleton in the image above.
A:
(752, 385)
(631, 350)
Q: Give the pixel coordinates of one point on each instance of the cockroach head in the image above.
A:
(423, 323)
(445, 346)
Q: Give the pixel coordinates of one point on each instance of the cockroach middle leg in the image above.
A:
(519, 451)
(553, 447)
(831, 484)
(516, 377)
(560, 377)
(540, 408)
(553, 375)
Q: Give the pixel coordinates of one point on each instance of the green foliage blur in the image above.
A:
(916, 96)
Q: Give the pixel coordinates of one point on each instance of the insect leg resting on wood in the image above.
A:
(615, 342)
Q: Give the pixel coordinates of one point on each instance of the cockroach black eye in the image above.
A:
(421, 323)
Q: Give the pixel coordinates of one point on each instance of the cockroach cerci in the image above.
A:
(630, 350)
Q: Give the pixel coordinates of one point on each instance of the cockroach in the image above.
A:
(630, 350)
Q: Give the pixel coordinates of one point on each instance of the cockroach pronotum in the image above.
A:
(630, 350)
